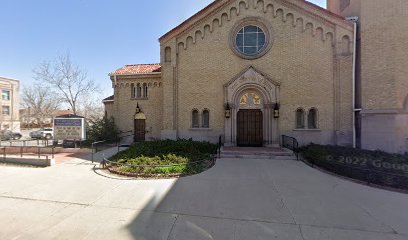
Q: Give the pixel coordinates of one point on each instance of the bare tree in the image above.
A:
(40, 101)
(67, 79)
(92, 109)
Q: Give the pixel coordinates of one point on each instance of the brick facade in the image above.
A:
(310, 61)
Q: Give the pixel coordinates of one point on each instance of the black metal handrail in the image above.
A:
(45, 142)
(291, 143)
(52, 147)
(219, 146)
(94, 145)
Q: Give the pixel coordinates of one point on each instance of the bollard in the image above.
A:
(39, 156)
(21, 151)
(52, 151)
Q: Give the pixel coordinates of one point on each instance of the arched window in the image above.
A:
(206, 119)
(132, 90)
(312, 119)
(138, 91)
(195, 119)
(300, 118)
(145, 90)
(167, 54)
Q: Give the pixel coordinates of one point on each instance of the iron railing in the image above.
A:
(94, 146)
(291, 143)
(219, 146)
(39, 153)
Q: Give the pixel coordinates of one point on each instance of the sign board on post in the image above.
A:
(69, 128)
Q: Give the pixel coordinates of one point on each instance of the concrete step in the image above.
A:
(269, 157)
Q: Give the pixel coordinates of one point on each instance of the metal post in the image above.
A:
(4, 153)
(92, 152)
(21, 151)
(52, 152)
(39, 156)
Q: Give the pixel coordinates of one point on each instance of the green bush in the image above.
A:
(102, 129)
(166, 152)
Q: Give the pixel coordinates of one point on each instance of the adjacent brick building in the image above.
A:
(9, 103)
(252, 71)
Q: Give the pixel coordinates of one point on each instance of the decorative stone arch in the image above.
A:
(252, 81)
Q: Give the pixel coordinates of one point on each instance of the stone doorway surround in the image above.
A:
(254, 82)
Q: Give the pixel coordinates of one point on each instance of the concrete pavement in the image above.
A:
(237, 199)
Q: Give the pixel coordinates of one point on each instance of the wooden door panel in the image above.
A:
(140, 126)
(249, 128)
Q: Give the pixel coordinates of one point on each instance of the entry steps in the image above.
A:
(257, 153)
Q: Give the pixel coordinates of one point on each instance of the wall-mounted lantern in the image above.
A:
(137, 108)
(276, 110)
(227, 111)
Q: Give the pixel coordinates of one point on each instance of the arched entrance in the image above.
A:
(251, 97)
(140, 127)
(250, 119)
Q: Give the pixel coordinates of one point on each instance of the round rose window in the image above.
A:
(250, 40)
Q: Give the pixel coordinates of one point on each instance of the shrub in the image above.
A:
(167, 154)
(102, 129)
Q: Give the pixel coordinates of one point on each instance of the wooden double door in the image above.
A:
(250, 128)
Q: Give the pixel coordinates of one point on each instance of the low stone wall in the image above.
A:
(31, 161)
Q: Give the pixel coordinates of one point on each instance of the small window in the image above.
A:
(5, 95)
(312, 119)
(206, 119)
(195, 119)
(167, 54)
(145, 90)
(138, 91)
(300, 119)
(132, 90)
(6, 110)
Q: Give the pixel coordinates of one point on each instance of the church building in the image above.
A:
(250, 71)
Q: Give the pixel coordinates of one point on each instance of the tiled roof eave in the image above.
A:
(134, 74)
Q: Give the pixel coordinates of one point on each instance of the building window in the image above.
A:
(138, 91)
(250, 40)
(5, 95)
(300, 118)
(195, 119)
(312, 119)
(206, 119)
(145, 90)
(132, 90)
(6, 110)
(167, 54)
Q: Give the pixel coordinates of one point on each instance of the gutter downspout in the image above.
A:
(354, 21)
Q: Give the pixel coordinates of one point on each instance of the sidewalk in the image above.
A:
(237, 199)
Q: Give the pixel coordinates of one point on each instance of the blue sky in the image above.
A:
(100, 35)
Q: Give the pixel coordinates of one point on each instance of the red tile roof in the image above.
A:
(138, 69)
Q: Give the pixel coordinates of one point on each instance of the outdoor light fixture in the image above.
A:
(276, 110)
(137, 108)
(227, 111)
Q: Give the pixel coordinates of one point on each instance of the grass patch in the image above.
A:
(165, 157)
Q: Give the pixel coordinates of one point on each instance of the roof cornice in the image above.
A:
(200, 16)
